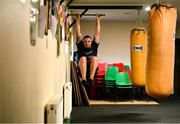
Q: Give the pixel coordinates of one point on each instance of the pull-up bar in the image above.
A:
(105, 7)
(86, 8)
(86, 14)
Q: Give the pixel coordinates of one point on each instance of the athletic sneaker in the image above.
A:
(84, 83)
(90, 81)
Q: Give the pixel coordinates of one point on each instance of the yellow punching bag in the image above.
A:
(138, 55)
(160, 57)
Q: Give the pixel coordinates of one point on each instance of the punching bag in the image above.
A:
(138, 56)
(160, 56)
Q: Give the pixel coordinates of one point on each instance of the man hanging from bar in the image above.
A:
(87, 49)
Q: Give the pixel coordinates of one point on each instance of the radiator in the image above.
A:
(67, 100)
(54, 110)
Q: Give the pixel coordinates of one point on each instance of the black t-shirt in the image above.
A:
(82, 51)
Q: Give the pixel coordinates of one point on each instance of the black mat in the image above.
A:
(167, 112)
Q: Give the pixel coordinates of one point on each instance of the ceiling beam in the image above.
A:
(89, 14)
(80, 16)
(61, 2)
(105, 7)
(69, 3)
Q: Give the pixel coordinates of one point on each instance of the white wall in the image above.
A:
(29, 75)
(115, 42)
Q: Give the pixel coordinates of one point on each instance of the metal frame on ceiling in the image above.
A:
(87, 7)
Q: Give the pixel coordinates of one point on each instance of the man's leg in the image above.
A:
(82, 66)
(93, 66)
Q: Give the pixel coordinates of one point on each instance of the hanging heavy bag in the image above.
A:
(160, 56)
(138, 56)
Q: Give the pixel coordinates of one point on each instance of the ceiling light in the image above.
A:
(148, 8)
(34, 1)
(23, 1)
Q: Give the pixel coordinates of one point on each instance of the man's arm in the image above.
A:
(98, 29)
(78, 31)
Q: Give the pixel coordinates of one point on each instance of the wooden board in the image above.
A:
(129, 102)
